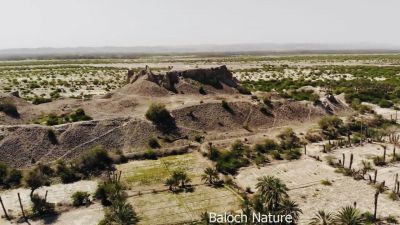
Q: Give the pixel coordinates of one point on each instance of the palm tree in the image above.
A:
(289, 207)
(123, 213)
(349, 215)
(210, 175)
(272, 191)
(182, 177)
(172, 183)
(322, 218)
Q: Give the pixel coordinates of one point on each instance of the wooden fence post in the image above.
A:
(4, 209)
(22, 208)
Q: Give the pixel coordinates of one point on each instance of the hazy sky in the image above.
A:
(72, 23)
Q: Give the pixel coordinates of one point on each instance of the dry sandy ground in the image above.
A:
(58, 194)
(364, 152)
(80, 216)
(387, 113)
(303, 178)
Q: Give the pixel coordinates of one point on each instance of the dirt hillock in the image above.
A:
(21, 109)
(212, 80)
(213, 116)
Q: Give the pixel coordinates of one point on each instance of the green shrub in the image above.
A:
(199, 138)
(52, 120)
(157, 113)
(153, 143)
(109, 191)
(202, 91)
(331, 126)
(14, 177)
(79, 115)
(93, 162)
(52, 136)
(67, 174)
(259, 148)
(378, 161)
(150, 154)
(289, 139)
(275, 154)
(229, 161)
(40, 100)
(3, 173)
(326, 182)
(226, 106)
(40, 206)
(392, 219)
(385, 103)
(120, 212)
(369, 218)
(264, 110)
(270, 145)
(292, 154)
(80, 198)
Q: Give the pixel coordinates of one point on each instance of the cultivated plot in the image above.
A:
(156, 205)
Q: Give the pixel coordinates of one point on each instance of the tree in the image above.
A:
(172, 182)
(322, 218)
(272, 192)
(120, 212)
(182, 176)
(289, 207)
(210, 175)
(349, 215)
(35, 179)
(178, 178)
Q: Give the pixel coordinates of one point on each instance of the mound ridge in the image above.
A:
(212, 80)
(25, 145)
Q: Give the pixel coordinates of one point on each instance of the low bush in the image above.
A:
(229, 161)
(385, 103)
(292, 154)
(157, 113)
(109, 191)
(288, 139)
(150, 154)
(79, 115)
(80, 198)
(153, 143)
(67, 174)
(226, 106)
(379, 161)
(9, 177)
(40, 100)
(40, 206)
(326, 182)
(93, 162)
(275, 154)
(202, 91)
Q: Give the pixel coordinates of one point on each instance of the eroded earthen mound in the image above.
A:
(212, 80)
